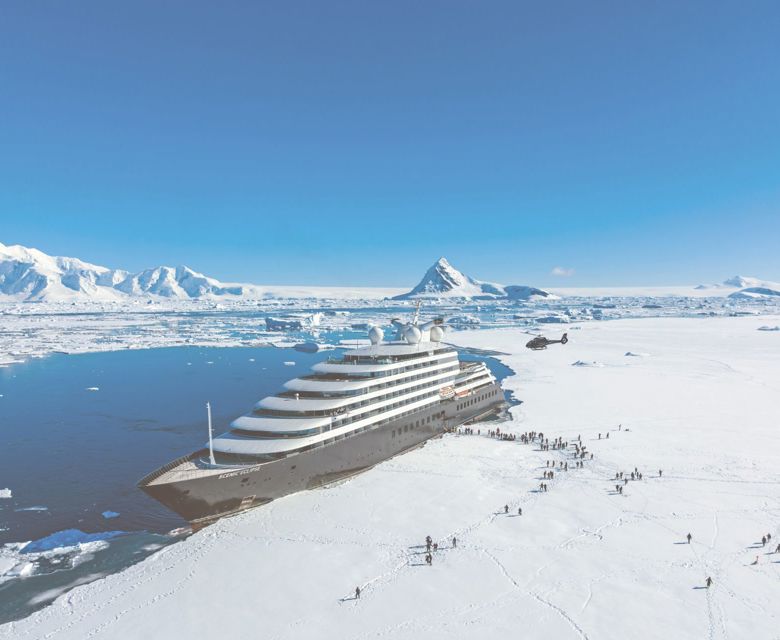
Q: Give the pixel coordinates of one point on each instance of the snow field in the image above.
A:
(581, 562)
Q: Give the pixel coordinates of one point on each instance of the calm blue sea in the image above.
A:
(69, 453)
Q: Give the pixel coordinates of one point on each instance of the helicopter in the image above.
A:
(540, 342)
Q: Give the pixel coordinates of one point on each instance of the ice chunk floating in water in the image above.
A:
(5, 493)
(110, 514)
(67, 538)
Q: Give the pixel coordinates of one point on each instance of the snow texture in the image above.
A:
(582, 561)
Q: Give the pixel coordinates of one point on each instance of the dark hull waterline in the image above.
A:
(202, 499)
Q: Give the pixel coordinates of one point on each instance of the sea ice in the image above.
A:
(5, 493)
(581, 562)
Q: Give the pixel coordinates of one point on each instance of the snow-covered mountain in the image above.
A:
(31, 275)
(748, 288)
(741, 282)
(181, 282)
(756, 293)
(443, 280)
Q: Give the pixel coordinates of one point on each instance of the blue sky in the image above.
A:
(356, 142)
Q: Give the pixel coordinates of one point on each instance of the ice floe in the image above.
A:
(5, 494)
(67, 538)
(59, 551)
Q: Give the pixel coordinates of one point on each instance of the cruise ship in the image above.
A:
(349, 414)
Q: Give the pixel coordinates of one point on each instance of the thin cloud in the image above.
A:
(563, 272)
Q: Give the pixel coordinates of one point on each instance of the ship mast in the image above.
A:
(211, 442)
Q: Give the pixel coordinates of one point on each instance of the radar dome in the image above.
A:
(412, 334)
(437, 333)
(375, 334)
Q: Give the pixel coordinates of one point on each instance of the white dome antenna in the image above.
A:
(412, 335)
(375, 334)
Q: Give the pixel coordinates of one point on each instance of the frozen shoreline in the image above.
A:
(579, 563)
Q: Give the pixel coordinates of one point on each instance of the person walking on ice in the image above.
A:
(709, 582)
(454, 542)
(357, 593)
(689, 536)
(520, 512)
(660, 473)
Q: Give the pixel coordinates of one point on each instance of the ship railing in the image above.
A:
(150, 477)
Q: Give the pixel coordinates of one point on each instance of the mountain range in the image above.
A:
(33, 276)
(30, 275)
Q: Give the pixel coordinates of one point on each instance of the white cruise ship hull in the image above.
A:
(200, 493)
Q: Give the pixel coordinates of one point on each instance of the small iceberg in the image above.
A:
(289, 363)
(5, 494)
(110, 514)
(36, 508)
(307, 347)
(93, 388)
(67, 538)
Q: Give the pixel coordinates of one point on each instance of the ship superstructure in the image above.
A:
(350, 413)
